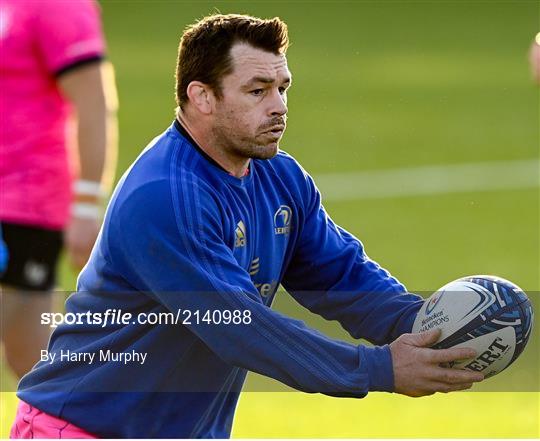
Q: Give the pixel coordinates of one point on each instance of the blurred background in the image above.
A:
(420, 122)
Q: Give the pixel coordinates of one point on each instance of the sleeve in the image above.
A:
(69, 33)
(331, 275)
(171, 246)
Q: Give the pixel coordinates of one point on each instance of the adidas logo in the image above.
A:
(240, 235)
(255, 266)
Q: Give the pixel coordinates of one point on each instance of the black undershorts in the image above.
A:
(33, 254)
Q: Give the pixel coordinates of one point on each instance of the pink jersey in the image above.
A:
(38, 40)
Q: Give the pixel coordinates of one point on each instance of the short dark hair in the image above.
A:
(205, 46)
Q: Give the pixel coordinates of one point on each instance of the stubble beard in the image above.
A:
(244, 146)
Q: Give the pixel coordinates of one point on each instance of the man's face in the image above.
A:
(249, 119)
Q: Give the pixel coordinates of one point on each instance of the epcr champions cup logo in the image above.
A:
(433, 301)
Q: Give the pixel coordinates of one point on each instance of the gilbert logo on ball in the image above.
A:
(486, 313)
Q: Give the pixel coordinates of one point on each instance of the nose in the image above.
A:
(278, 104)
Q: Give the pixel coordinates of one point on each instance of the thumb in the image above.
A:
(426, 339)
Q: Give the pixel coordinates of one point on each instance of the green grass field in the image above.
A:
(380, 85)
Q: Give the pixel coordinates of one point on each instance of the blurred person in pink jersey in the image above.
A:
(54, 82)
(534, 58)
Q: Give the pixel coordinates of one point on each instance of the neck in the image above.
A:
(203, 137)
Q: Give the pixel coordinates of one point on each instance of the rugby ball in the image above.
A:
(486, 313)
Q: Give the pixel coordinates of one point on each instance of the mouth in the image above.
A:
(276, 131)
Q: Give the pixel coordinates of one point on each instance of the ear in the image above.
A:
(200, 96)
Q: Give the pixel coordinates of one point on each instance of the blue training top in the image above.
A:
(183, 236)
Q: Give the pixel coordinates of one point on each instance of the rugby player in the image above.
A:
(211, 218)
(52, 69)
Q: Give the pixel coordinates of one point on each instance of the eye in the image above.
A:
(282, 90)
(257, 92)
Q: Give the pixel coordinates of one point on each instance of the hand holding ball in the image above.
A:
(488, 314)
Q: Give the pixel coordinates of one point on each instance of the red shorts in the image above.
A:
(32, 423)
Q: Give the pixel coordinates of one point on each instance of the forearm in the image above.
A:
(343, 284)
(92, 92)
(97, 129)
(286, 349)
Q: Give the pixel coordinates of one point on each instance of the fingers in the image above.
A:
(456, 376)
(448, 355)
(446, 388)
(424, 339)
(449, 375)
(432, 388)
(80, 237)
(418, 370)
(447, 382)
